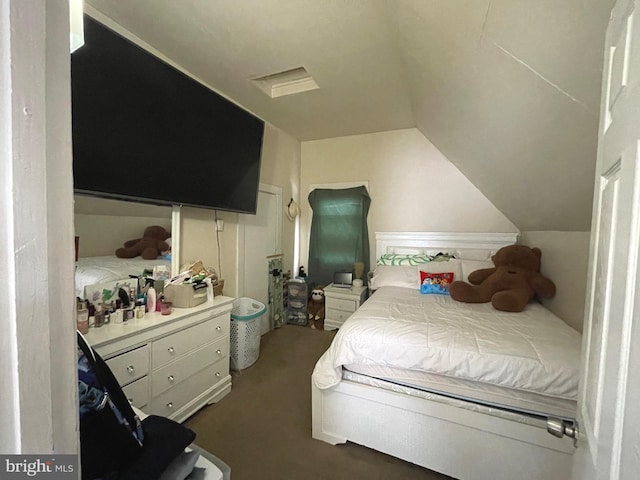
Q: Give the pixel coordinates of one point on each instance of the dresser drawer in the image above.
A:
(342, 304)
(176, 372)
(131, 365)
(170, 402)
(339, 315)
(137, 392)
(172, 347)
(221, 325)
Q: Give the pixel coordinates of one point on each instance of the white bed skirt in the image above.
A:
(468, 443)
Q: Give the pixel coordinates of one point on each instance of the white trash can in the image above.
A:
(246, 316)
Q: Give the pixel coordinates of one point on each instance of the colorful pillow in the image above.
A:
(453, 265)
(435, 283)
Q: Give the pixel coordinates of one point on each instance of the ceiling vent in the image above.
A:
(288, 82)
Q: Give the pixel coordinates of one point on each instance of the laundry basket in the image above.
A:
(246, 315)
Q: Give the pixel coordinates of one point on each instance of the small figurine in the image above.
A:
(301, 273)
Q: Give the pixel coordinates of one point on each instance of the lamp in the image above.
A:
(76, 25)
(292, 210)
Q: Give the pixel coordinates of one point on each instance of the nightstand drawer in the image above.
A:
(339, 315)
(175, 372)
(131, 365)
(342, 304)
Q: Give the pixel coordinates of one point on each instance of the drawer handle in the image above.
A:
(170, 378)
(171, 350)
(130, 400)
(217, 374)
(219, 352)
(218, 328)
(130, 369)
(169, 405)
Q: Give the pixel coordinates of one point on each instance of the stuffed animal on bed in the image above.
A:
(149, 247)
(316, 308)
(510, 285)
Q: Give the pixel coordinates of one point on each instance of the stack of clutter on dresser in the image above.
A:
(118, 301)
(191, 287)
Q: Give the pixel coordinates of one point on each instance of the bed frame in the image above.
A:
(466, 443)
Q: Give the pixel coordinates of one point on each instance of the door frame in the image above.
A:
(272, 190)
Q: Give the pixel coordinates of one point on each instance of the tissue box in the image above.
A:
(186, 295)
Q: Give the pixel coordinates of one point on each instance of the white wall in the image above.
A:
(413, 187)
(280, 167)
(38, 358)
(565, 260)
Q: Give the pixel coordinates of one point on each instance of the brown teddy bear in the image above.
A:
(316, 308)
(511, 285)
(148, 247)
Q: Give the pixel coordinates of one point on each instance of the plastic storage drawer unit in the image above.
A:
(297, 302)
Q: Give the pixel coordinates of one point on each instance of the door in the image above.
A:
(608, 413)
(259, 237)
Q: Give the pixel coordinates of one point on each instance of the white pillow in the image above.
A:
(395, 276)
(469, 266)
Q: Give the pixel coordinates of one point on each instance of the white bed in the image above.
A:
(98, 270)
(458, 388)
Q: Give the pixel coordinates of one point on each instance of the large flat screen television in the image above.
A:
(144, 131)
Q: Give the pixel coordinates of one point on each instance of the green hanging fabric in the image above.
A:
(339, 233)
(276, 306)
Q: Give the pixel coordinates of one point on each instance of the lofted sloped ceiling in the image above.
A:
(508, 90)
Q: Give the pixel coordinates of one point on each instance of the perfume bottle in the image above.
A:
(99, 317)
(82, 317)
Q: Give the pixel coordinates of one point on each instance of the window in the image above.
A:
(339, 234)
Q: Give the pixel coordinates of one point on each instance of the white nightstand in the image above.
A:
(340, 303)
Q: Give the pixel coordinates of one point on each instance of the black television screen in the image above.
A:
(144, 131)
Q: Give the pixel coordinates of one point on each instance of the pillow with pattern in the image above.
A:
(435, 283)
(396, 259)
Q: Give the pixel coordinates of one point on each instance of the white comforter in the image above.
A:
(398, 327)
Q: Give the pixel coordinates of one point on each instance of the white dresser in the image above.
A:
(170, 365)
(340, 303)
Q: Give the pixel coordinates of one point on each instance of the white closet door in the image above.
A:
(260, 237)
(608, 414)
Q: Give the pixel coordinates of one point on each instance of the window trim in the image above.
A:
(338, 186)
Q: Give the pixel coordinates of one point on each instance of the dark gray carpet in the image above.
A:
(262, 429)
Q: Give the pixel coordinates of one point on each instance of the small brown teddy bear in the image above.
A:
(316, 308)
(148, 247)
(511, 285)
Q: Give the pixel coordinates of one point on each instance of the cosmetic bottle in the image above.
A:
(151, 299)
(82, 318)
(99, 316)
(159, 301)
